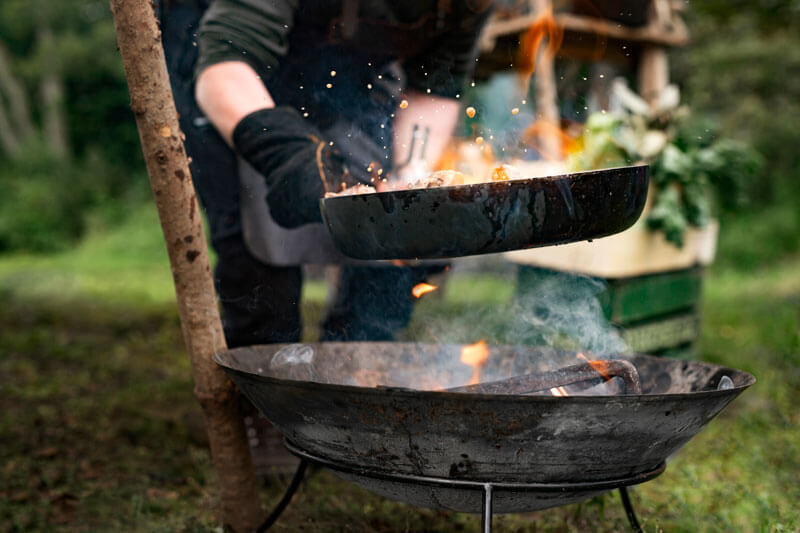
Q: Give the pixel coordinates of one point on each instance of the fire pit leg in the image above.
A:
(287, 497)
(626, 502)
(486, 510)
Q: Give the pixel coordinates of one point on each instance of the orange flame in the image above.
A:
(500, 174)
(544, 128)
(597, 365)
(545, 25)
(475, 355)
(422, 288)
(559, 391)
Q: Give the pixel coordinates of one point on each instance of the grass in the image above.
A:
(100, 432)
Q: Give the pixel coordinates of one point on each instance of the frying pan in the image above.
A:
(399, 429)
(484, 218)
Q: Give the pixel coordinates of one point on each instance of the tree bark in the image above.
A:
(139, 41)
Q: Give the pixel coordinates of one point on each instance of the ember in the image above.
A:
(422, 288)
(596, 365)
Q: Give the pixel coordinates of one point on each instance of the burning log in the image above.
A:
(530, 383)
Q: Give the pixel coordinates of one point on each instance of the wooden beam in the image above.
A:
(139, 41)
(670, 33)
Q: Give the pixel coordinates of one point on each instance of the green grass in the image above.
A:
(100, 432)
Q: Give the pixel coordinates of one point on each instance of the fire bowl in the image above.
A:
(375, 410)
(487, 217)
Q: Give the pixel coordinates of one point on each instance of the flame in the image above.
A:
(545, 25)
(475, 355)
(597, 365)
(540, 129)
(548, 137)
(422, 288)
(500, 174)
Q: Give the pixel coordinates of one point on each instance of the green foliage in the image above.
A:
(687, 171)
(740, 72)
(47, 204)
(767, 15)
(690, 177)
(47, 198)
(601, 149)
(83, 54)
(755, 238)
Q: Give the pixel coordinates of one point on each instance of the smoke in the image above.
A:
(544, 308)
(565, 311)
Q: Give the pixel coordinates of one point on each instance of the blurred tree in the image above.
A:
(741, 70)
(768, 15)
(62, 57)
(69, 147)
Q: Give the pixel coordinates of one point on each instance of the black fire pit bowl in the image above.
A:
(487, 217)
(541, 451)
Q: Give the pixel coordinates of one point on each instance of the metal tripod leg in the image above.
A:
(287, 497)
(626, 502)
(486, 510)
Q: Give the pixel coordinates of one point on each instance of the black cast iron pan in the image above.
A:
(486, 218)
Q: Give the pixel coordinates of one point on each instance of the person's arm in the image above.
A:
(229, 91)
(240, 43)
(421, 133)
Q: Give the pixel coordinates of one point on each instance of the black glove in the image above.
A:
(299, 165)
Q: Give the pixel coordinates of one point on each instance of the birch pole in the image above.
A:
(139, 41)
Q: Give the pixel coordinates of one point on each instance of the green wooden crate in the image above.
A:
(655, 313)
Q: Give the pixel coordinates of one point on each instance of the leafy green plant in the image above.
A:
(691, 174)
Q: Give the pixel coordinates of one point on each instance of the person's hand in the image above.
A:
(299, 166)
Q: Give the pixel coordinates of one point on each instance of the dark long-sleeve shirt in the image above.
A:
(436, 41)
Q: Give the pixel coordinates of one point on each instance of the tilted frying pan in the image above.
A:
(483, 218)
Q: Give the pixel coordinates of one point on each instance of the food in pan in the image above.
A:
(355, 189)
(440, 178)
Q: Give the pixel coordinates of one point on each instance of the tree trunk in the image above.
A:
(139, 41)
(18, 124)
(54, 123)
(8, 139)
